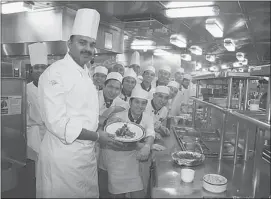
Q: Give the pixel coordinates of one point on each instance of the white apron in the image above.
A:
(35, 126)
(67, 167)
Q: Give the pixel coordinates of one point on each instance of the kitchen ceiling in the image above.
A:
(247, 23)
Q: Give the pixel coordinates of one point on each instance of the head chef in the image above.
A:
(38, 60)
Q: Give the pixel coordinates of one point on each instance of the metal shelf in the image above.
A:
(226, 75)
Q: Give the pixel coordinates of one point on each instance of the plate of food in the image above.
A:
(125, 132)
(187, 158)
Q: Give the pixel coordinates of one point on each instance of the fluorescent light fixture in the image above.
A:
(178, 40)
(159, 52)
(210, 58)
(224, 66)
(244, 62)
(237, 64)
(145, 47)
(180, 4)
(214, 69)
(142, 43)
(196, 50)
(240, 56)
(163, 47)
(192, 12)
(229, 44)
(214, 27)
(205, 70)
(186, 57)
(15, 7)
(198, 66)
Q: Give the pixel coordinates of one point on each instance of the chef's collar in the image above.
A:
(132, 119)
(108, 102)
(154, 109)
(73, 63)
(144, 88)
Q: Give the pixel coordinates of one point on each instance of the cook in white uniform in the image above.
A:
(163, 76)
(35, 126)
(118, 67)
(135, 62)
(158, 110)
(67, 166)
(178, 77)
(99, 76)
(174, 89)
(123, 167)
(128, 84)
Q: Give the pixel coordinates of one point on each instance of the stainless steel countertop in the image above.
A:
(168, 183)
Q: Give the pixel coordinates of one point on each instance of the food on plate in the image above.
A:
(125, 132)
(215, 179)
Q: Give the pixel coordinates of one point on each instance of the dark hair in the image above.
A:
(71, 37)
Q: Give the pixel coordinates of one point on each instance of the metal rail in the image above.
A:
(209, 104)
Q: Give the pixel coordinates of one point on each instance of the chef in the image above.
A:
(146, 84)
(174, 89)
(128, 84)
(158, 110)
(135, 62)
(118, 67)
(99, 76)
(123, 167)
(178, 76)
(35, 126)
(163, 76)
(67, 166)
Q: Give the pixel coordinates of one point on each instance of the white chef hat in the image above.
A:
(180, 70)
(86, 23)
(38, 53)
(166, 68)
(187, 76)
(162, 89)
(135, 59)
(138, 92)
(114, 75)
(140, 77)
(129, 72)
(174, 84)
(101, 69)
(150, 68)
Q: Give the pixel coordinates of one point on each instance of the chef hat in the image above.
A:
(187, 76)
(101, 69)
(174, 84)
(150, 68)
(129, 72)
(180, 70)
(114, 75)
(38, 53)
(138, 92)
(135, 59)
(162, 89)
(166, 68)
(86, 23)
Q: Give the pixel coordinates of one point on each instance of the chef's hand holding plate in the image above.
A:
(143, 153)
(106, 139)
(158, 147)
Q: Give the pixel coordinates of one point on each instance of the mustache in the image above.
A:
(86, 52)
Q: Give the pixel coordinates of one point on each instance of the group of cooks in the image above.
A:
(69, 105)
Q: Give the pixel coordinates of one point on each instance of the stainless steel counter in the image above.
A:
(167, 182)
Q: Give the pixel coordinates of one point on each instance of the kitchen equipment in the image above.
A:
(187, 175)
(254, 104)
(187, 158)
(215, 183)
(111, 128)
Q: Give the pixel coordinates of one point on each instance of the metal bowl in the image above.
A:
(187, 158)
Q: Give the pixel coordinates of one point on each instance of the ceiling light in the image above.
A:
(15, 7)
(196, 50)
(240, 56)
(178, 40)
(187, 4)
(198, 66)
(240, 69)
(224, 66)
(210, 58)
(214, 69)
(244, 62)
(159, 52)
(186, 57)
(214, 27)
(192, 12)
(145, 47)
(229, 44)
(143, 42)
(205, 70)
(237, 64)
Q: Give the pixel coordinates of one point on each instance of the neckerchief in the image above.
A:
(107, 102)
(155, 111)
(132, 119)
(144, 88)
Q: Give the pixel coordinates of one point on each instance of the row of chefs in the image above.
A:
(68, 108)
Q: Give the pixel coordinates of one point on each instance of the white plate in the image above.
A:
(133, 127)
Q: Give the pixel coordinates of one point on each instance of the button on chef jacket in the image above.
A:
(68, 102)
